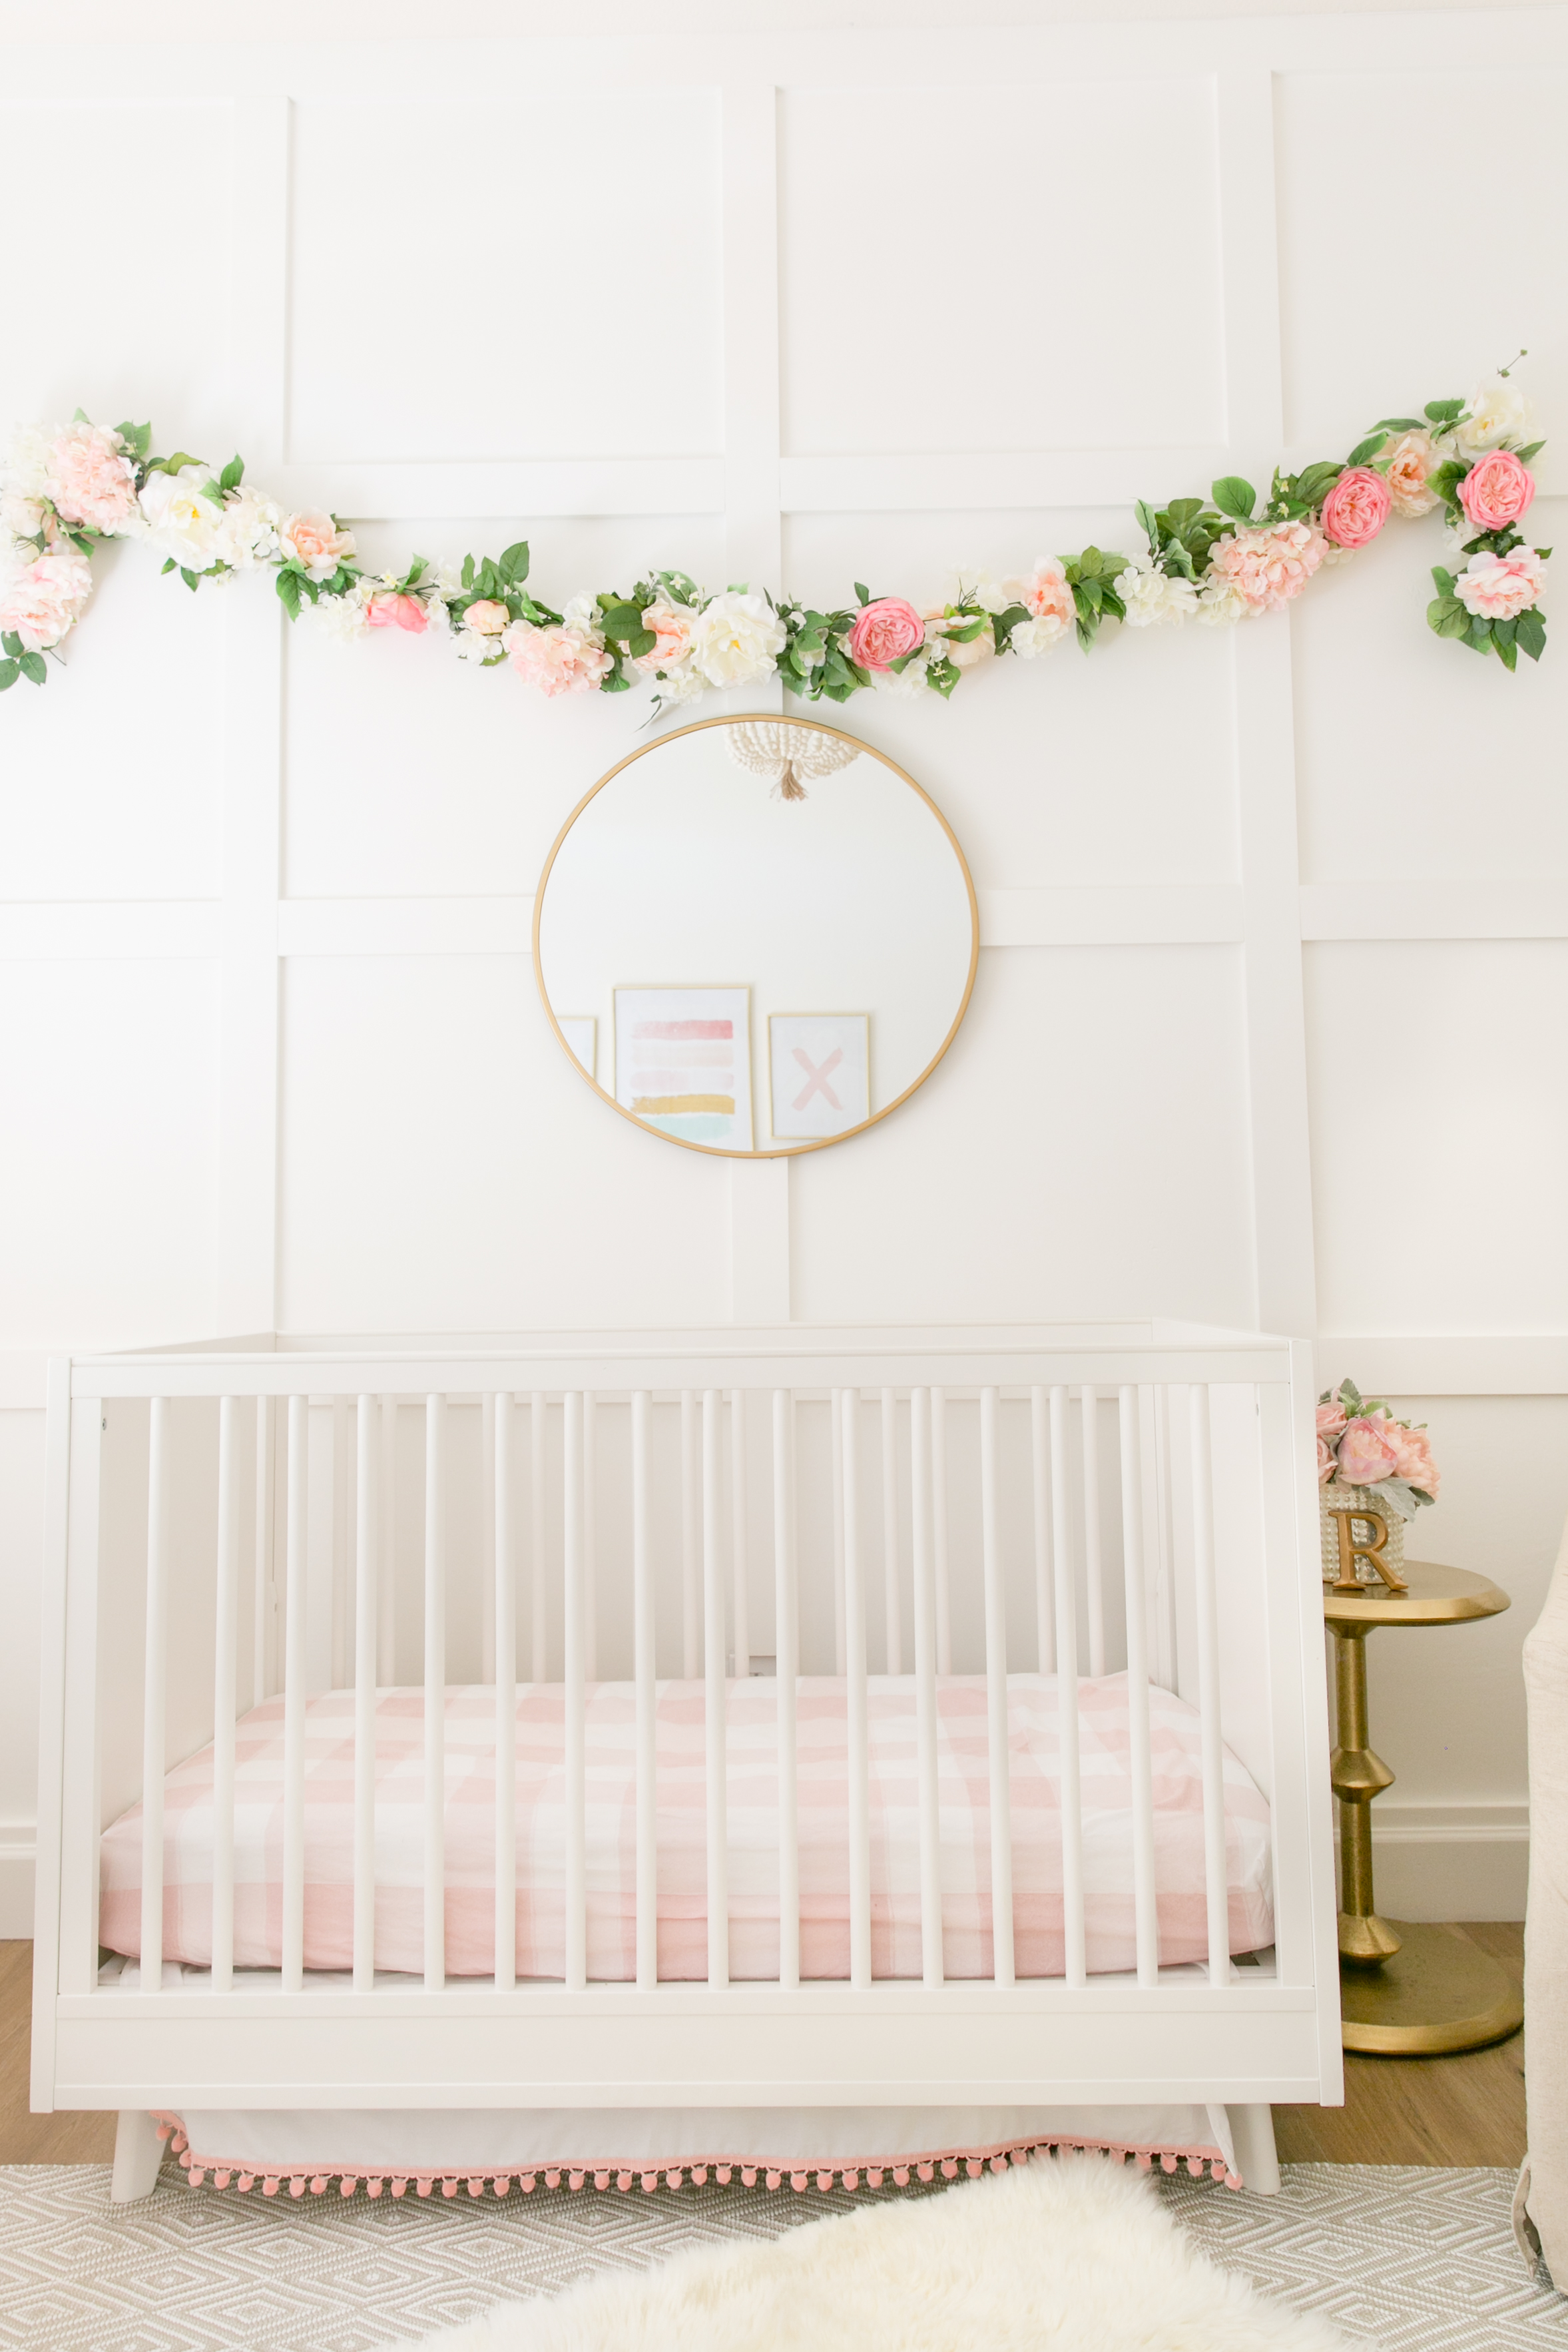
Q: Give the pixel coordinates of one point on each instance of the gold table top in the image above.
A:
(1437, 1596)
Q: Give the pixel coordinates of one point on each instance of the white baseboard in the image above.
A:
(15, 1888)
(1451, 1862)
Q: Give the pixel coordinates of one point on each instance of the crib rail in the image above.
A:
(315, 1523)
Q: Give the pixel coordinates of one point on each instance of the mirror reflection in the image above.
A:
(756, 936)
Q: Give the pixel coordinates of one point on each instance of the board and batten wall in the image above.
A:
(1271, 1019)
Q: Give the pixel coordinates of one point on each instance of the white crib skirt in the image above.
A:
(446, 2148)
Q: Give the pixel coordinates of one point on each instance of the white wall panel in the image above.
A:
(1081, 1151)
(971, 204)
(106, 1185)
(1114, 768)
(1439, 1134)
(1401, 281)
(408, 772)
(444, 1166)
(514, 278)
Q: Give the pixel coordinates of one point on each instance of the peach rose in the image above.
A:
(557, 661)
(43, 602)
(1331, 1419)
(487, 616)
(1412, 461)
(386, 609)
(671, 627)
(314, 542)
(1365, 1455)
(88, 479)
(942, 646)
(1500, 587)
(1414, 1457)
(884, 632)
(1268, 568)
(1326, 1465)
(1357, 507)
(1496, 490)
(1046, 594)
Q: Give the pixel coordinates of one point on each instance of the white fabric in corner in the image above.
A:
(1545, 2182)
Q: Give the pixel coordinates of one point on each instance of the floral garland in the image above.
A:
(1223, 560)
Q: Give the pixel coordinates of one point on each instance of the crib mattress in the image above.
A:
(752, 1833)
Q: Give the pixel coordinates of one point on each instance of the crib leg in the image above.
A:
(1253, 2132)
(137, 2153)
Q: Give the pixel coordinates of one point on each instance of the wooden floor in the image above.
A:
(1449, 2111)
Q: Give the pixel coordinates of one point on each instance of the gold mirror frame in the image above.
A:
(779, 1150)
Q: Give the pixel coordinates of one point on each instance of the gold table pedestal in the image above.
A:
(1406, 1990)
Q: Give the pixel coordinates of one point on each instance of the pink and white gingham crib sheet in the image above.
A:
(752, 1833)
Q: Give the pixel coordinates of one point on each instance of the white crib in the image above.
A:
(228, 1525)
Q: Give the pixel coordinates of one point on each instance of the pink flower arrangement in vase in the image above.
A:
(1373, 1470)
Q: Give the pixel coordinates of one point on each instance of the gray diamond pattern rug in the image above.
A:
(1417, 2260)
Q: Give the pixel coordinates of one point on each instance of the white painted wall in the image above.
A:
(1270, 1021)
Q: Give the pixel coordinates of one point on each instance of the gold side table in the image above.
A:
(1406, 1990)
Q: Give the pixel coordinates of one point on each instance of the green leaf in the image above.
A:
(616, 683)
(1506, 650)
(138, 439)
(232, 476)
(10, 671)
(623, 621)
(191, 579)
(288, 592)
(641, 642)
(1531, 449)
(1400, 423)
(13, 643)
(167, 565)
(468, 571)
(1318, 480)
(174, 465)
(863, 593)
(1444, 579)
(515, 560)
(1235, 497)
(1529, 634)
(1443, 412)
(32, 666)
(1366, 449)
(1146, 523)
(1480, 634)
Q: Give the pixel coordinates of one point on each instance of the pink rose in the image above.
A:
(43, 602)
(1365, 1455)
(387, 610)
(1357, 507)
(1331, 1419)
(1500, 587)
(1326, 1462)
(1046, 594)
(885, 632)
(87, 478)
(487, 616)
(314, 542)
(1412, 461)
(1267, 568)
(1413, 1456)
(671, 627)
(557, 661)
(1496, 490)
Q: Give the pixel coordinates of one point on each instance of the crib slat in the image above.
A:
(225, 1676)
(504, 1426)
(837, 1409)
(925, 1686)
(1044, 1603)
(367, 1647)
(1207, 1613)
(644, 1632)
(787, 1666)
(340, 1587)
(854, 1645)
(895, 1646)
(261, 1592)
(939, 1531)
(298, 1541)
(386, 1545)
(691, 1553)
(739, 1628)
(589, 1535)
(1164, 1582)
(1075, 1967)
(714, 1702)
(997, 1696)
(539, 1655)
(1093, 1573)
(1139, 1761)
(434, 1693)
(575, 1677)
(155, 1744)
(487, 1538)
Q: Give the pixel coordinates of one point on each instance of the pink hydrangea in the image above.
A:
(557, 661)
(1365, 1453)
(88, 478)
(1357, 507)
(1268, 568)
(387, 610)
(1502, 587)
(885, 632)
(41, 604)
(1496, 490)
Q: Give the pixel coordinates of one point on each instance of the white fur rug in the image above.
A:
(1073, 2254)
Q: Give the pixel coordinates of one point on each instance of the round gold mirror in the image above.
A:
(756, 936)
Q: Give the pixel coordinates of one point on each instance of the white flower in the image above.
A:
(249, 532)
(736, 639)
(1153, 596)
(1498, 412)
(683, 683)
(1030, 639)
(20, 517)
(582, 613)
(25, 462)
(437, 619)
(982, 588)
(343, 617)
(904, 683)
(181, 523)
(467, 644)
(1221, 601)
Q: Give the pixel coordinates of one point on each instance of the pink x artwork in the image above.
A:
(817, 1078)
